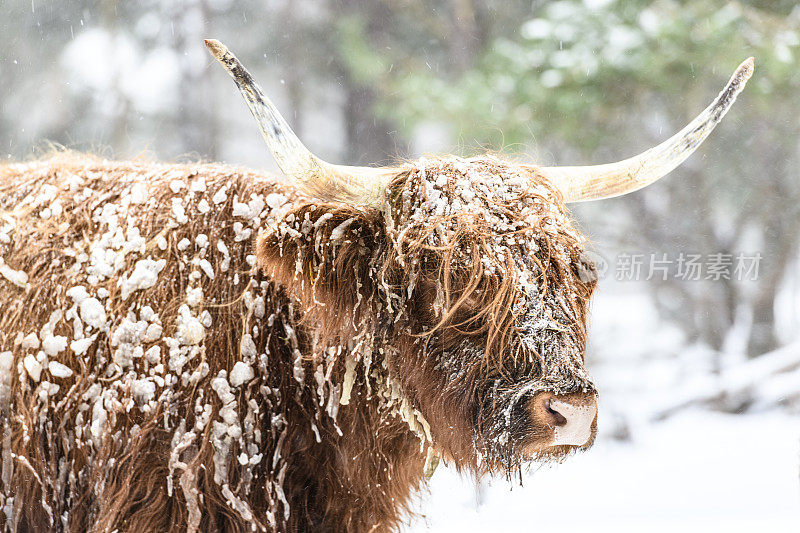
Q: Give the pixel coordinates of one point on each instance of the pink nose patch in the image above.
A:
(578, 429)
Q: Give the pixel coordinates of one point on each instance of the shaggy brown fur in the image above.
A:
(374, 337)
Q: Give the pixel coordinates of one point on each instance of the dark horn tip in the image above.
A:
(745, 70)
(217, 49)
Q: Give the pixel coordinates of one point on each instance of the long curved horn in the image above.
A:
(580, 184)
(354, 185)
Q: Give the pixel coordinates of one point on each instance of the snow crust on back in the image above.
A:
(144, 276)
(128, 316)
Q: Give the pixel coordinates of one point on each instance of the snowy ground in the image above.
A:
(698, 471)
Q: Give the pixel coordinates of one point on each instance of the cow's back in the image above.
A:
(126, 289)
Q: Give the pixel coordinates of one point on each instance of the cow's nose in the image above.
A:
(571, 416)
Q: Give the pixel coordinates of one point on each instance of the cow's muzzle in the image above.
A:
(571, 417)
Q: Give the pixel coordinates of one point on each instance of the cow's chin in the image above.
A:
(510, 459)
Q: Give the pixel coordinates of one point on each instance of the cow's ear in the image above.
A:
(328, 254)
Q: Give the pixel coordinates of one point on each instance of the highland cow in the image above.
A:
(203, 348)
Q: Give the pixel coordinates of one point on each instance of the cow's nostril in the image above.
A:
(558, 418)
(570, 417)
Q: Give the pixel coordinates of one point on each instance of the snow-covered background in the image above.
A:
(699, 422)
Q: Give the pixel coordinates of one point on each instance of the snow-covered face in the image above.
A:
(496, 283)
(471, 285)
